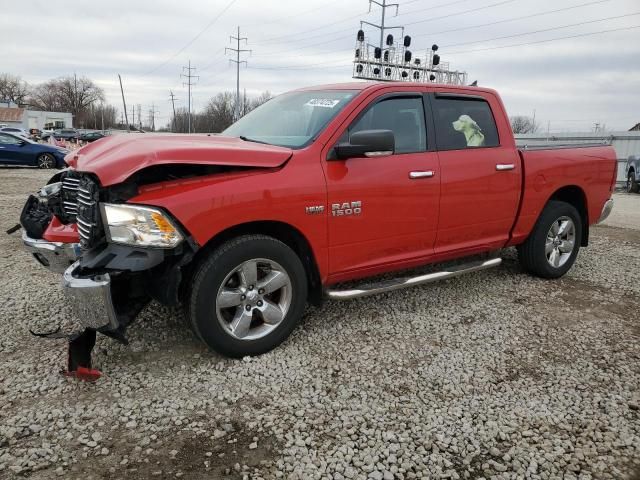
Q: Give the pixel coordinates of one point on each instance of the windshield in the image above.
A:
(292, 119)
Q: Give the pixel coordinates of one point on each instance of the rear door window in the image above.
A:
(464, 123)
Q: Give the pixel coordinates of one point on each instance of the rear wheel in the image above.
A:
(248, 296)
(46, 160)
(632, 185)
(553, 245)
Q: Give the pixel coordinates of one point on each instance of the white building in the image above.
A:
(27, 119)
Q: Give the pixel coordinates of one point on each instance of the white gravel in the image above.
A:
(495, 375)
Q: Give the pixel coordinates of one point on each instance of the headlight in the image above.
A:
(140, 226)
(50, 190)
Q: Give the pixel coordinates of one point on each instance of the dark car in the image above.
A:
(17, 150)
(91, 136)
(63, 134)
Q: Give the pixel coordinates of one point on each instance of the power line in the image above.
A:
(190, 42)
(433, 19)
(544, 30)
(299, 14)
(546, 41)
(448, 4)
(305, 32)
(237, 61)
(513, 19)
(189, 76)
(435, 33)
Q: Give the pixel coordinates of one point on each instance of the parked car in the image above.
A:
(91, 136)
(314, 188)
(62, 134)
(17, 150)
(633, 174)
(15, 131)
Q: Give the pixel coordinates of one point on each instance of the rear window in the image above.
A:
(464, 123)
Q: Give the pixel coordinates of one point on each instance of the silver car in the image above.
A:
(15, 131)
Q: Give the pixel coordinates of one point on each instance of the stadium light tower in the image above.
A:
(393, 61)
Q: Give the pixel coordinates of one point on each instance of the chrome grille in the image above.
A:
(80, 204)
(87, 216)
(70, 193)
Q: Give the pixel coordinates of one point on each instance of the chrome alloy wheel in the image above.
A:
(46, 160)
(560, 242)
(253, 299)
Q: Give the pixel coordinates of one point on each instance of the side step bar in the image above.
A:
(405, 282)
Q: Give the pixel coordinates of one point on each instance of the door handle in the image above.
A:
(505, 166)
(421, 174)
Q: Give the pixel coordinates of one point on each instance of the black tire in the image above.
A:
(532, 254)
(46, 160)
(632, 185)
(203, 307)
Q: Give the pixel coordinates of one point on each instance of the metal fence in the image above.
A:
(624, 143)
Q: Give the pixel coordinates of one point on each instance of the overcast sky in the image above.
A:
(571, 83)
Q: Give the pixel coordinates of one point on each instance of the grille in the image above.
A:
(80, 204)
(69, 196)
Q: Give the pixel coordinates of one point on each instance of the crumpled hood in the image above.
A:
(114, 159)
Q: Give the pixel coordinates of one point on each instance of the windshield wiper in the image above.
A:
(247, 139)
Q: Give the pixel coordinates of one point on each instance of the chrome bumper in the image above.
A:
(90, 298)
(56, 256)
(606, 210)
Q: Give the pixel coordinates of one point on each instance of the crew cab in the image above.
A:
(315, 188)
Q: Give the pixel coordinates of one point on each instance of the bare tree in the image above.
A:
(219, 111)
(68, 94)
(217, 114)
(260, 99)
(523, 124)
(13, 89)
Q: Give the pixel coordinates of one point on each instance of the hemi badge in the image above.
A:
(314, 209)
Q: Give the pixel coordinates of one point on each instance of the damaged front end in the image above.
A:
(114, 257)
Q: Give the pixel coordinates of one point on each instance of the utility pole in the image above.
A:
(237, 61)
(139, 117)
(382, 27)
(152, 117)
(123, 103)
(173, 104)
(133, 116)
(189, 76)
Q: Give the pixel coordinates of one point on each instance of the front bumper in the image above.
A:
(90, 297)
(56, 256)
(606, 210)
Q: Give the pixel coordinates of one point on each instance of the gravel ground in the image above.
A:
(495, 375)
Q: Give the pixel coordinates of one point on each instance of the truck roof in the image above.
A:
(377, 85)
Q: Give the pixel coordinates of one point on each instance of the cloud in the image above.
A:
(572, 83)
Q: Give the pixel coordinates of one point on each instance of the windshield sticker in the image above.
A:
(322, 102)
(472, 131)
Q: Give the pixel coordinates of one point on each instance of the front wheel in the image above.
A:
(632, 185)
(248, 296)
(553, 245)
(46, 160)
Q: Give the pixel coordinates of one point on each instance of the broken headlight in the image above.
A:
(139, 226)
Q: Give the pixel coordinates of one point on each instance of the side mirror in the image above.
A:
(367, 143)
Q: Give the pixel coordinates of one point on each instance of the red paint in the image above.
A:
(59, 232)
(115, 158)
(467, 207)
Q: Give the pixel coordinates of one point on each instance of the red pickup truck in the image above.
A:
(317, 187)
